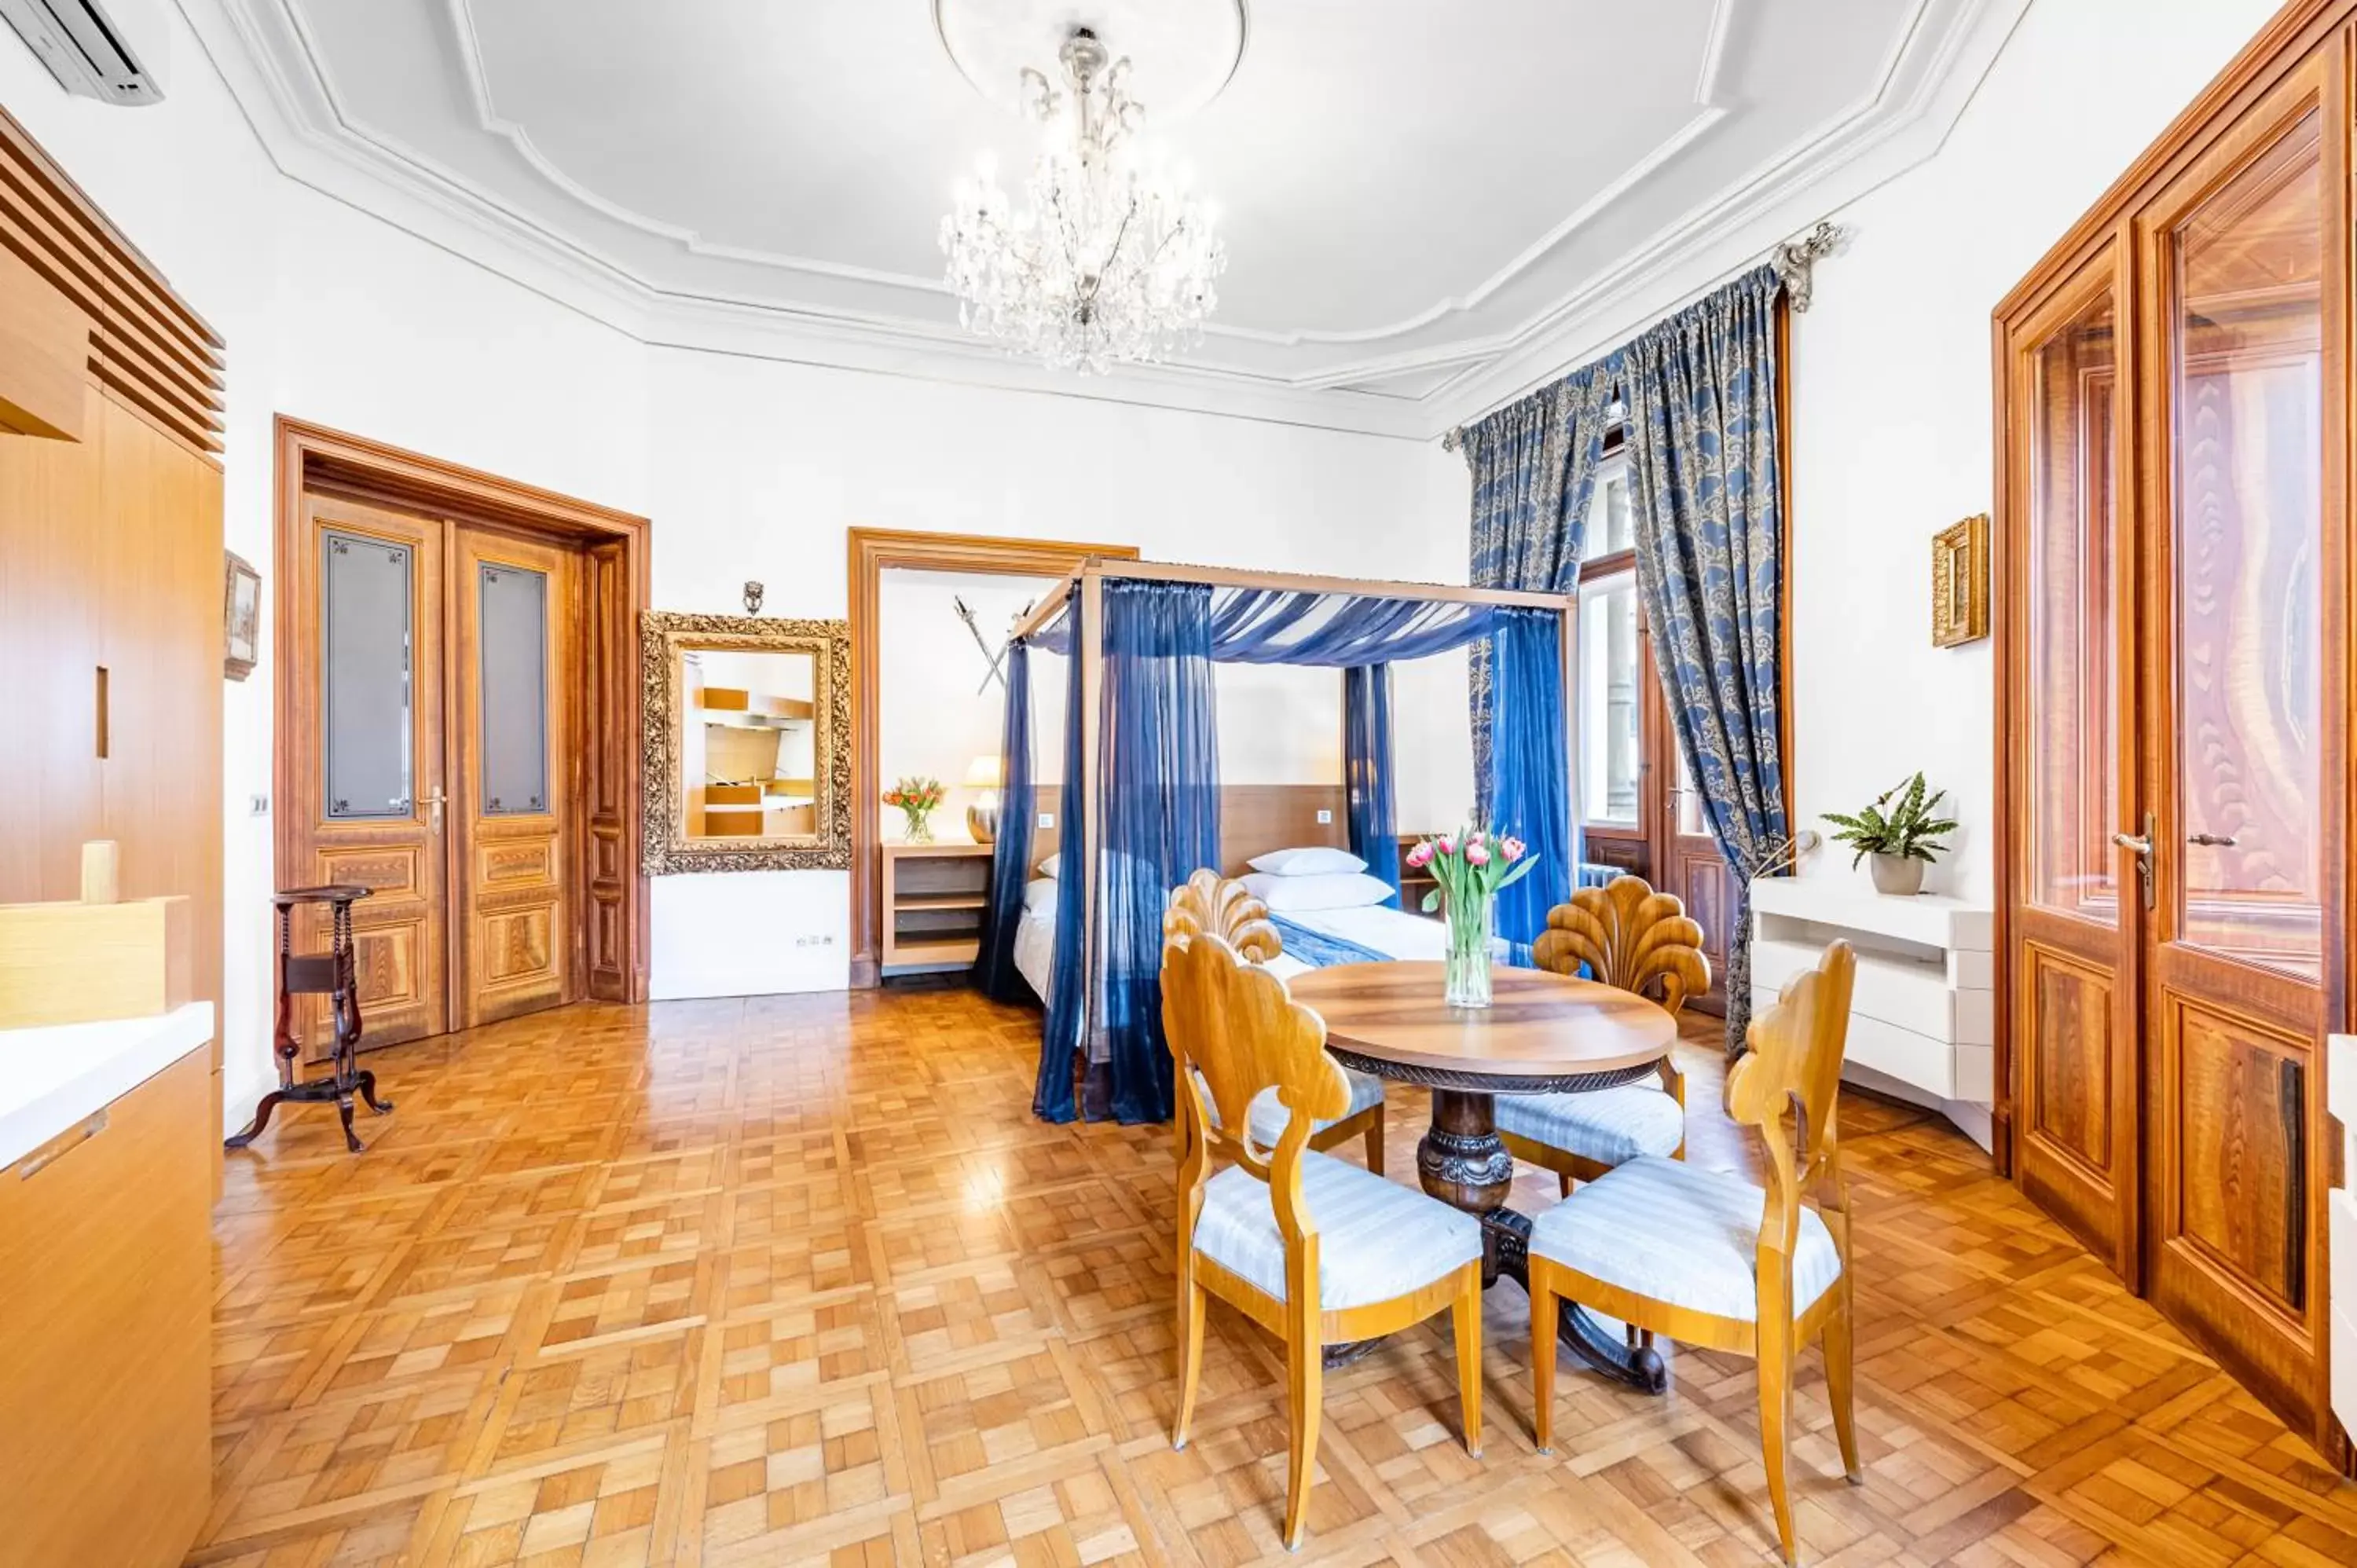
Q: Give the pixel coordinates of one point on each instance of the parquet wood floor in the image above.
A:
(791, 1280)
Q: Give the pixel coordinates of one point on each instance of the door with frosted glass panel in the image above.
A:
(512, 611)
(2246, 283)
(2075, 921)
(368, 765)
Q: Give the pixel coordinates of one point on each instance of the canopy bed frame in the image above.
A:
(1127, 625)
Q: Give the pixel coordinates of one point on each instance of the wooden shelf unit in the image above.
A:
(934, 896)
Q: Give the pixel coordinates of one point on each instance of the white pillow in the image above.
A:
(1316, 860)
(1048, 866)
(1330, 890)
(1040, 893)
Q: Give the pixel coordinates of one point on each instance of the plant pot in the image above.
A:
(1898, 875)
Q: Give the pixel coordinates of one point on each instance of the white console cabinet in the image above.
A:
(1923, 1017)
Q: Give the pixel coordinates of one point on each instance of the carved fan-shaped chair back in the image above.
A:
(1628, 937)
(1222, 907)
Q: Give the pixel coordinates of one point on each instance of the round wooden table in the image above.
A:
(1543, 1033)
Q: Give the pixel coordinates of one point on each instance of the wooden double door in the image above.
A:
(2173, 721)
(436, 760)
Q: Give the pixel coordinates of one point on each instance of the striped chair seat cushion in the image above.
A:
(1672, 1232)
(1268, 1116)
(1376, 1238)
(1609, 1127)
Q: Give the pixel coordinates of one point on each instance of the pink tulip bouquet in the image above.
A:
(1470, 867)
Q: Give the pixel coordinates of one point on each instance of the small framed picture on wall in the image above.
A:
(1960, 583)
(241, 616)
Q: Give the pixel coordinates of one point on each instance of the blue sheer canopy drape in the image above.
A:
(1159, 800)
(1369, 791)
(995, 975)
(1156, 814)
(1529, 764)
(1065, 1027)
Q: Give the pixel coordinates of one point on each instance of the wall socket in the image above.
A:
(1325, 819)
(258, 805)
(815, 939)
(1046, 819)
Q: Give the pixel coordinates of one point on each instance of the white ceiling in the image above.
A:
(1421, 200)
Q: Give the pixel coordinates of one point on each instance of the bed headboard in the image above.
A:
(1257, 818)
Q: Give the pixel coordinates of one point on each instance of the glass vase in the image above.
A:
(1468, 966)
(920, 826)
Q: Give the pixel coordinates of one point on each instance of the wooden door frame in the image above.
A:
(606, 859)
(872, 551)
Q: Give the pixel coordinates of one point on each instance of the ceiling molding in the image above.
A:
(279, 77)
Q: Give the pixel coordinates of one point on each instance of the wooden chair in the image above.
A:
(1631, 937)
(1723, 1264)
(1313, 1249)
(1223, 906)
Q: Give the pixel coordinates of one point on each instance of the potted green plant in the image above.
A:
(1901, 830)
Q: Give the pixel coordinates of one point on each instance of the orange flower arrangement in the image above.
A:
(917, 797)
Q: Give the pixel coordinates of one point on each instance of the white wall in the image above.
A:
(1892, 393)
(932, 719)
(756, 468)
(1891, 397)
(333, 316)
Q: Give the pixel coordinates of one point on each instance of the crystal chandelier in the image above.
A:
(1110, 259)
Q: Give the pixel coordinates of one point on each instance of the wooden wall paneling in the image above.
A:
(871, 552)
(44, 355)
(1255, 819)
(145, 345)
(51, 635)
(607, 854)
(107, 1336)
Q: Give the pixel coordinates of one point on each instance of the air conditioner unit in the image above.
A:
(111, 50)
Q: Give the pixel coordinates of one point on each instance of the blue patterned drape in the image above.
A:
(1529, 768)
(1158, 811)
(1060, 1033)
(1701, 388)
(1367, 770)
(995, 975)
(1534, 464)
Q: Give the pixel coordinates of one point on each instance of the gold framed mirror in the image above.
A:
(748, 759)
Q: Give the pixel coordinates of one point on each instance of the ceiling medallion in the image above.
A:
(1111, 258)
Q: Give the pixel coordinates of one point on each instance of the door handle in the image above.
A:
(434, 803)
(2140, 846)
(2222, 840)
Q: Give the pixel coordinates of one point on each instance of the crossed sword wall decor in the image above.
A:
(995, 656)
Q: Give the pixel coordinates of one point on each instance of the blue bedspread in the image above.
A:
(1319, 951)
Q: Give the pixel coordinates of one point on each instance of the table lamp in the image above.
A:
(982, 776)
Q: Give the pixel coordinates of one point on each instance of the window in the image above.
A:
(1611, 661)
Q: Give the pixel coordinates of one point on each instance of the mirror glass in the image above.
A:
(749, 764)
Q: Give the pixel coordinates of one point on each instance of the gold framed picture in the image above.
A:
(241, 617)
(1960, 583)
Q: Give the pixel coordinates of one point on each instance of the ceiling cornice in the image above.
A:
(278, 75)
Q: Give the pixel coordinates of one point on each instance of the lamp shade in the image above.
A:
(982, 773)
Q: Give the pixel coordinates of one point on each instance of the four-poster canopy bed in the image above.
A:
(1141, 807)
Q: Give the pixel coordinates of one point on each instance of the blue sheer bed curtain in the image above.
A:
(1367, 770)
(1061, 1034)
(1530, 769)
(1158, 812)
(995, 975)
